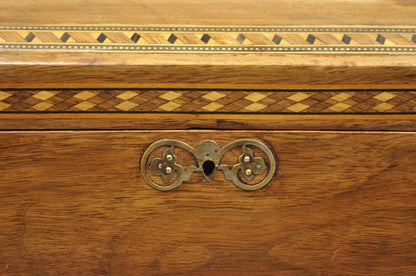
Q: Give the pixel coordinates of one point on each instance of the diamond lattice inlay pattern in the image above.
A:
(203, 101)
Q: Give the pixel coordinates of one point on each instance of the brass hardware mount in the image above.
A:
(208, 156)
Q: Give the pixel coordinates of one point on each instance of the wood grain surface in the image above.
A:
(160, 121)
(75, 203)
(211, 12)
(234, 76)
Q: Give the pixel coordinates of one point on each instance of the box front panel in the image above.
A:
(77, 202)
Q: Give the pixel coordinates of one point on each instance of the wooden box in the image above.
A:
(207, 137)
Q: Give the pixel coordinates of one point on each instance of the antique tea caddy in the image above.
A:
(207, 137)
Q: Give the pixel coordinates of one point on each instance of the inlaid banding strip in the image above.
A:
(208, 101)
(357, 39)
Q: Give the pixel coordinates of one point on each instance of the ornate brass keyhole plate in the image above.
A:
(208, 156)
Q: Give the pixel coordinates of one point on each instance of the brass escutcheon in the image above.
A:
(208, 156)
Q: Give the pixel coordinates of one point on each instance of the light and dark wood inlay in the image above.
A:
(208, 101)
(357, 39)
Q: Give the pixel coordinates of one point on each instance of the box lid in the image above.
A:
(208, 44)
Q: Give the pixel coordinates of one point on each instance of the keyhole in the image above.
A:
(208, 168)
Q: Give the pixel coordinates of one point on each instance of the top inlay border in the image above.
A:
(211, 39)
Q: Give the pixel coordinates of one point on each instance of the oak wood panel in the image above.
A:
(223, 71)
(160, 121)
(231, 12)
(75, 203)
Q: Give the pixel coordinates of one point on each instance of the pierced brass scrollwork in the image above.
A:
(208, 156)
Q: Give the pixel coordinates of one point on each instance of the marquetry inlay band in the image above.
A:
(356, 39)
(208, 101)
